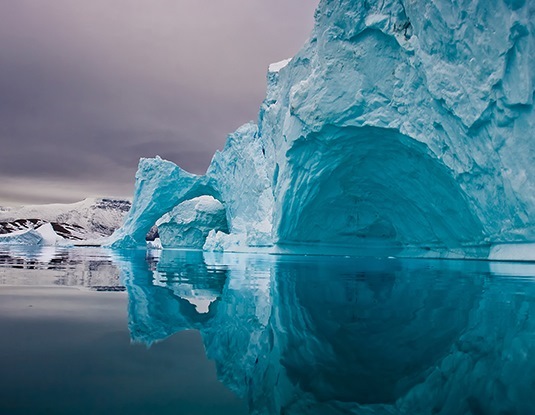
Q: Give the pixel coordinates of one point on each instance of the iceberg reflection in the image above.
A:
(341, 335)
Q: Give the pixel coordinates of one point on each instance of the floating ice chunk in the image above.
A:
(43, 235)
(23, 237)
(155, 244)
(49, 236)
(513, 252)
(189, 223)
(221, 241)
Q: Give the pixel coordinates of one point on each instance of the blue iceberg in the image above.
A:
(44, 235)
(190, 222)
(400, 128)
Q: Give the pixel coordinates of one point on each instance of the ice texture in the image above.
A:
(43, 235)
(160, 186)
(22, 237)
(400, 128)
(189, 223)
(240, 173)
(156, 243)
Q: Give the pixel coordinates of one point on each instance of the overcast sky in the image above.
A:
(87, 87)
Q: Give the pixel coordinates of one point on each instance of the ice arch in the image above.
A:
(368, 186)
(160, 186)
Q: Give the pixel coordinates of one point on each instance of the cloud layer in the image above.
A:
(87, 88)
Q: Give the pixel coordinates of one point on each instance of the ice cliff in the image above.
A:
(400, 128)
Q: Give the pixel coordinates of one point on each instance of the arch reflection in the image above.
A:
(341, 335)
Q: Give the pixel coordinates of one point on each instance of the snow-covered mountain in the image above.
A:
(90, 218)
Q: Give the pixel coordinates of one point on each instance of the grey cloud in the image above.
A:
(89, 87)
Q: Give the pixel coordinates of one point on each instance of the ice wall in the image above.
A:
(160, 186)
(401, 127)
(237, 177)
(240, 173)
(407, 124)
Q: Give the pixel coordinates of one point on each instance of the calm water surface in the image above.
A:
(93, 331)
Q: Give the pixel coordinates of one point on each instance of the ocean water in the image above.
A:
(94, 331)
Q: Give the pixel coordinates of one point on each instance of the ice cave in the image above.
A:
(400, 128)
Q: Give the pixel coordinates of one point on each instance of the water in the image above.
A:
(93, 331)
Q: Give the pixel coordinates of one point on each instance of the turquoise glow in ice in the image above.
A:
(404, 127)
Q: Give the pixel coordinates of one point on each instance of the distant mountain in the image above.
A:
(91, 218)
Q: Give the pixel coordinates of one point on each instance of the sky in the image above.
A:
(89, 87)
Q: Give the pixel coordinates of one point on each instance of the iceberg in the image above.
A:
(400, 128)
(43, 235)
(154, 244)
(160, 186)
(189, 223)
(22, 237)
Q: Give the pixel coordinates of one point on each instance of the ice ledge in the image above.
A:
(277, 66)
(523, 252)
(512, 252)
